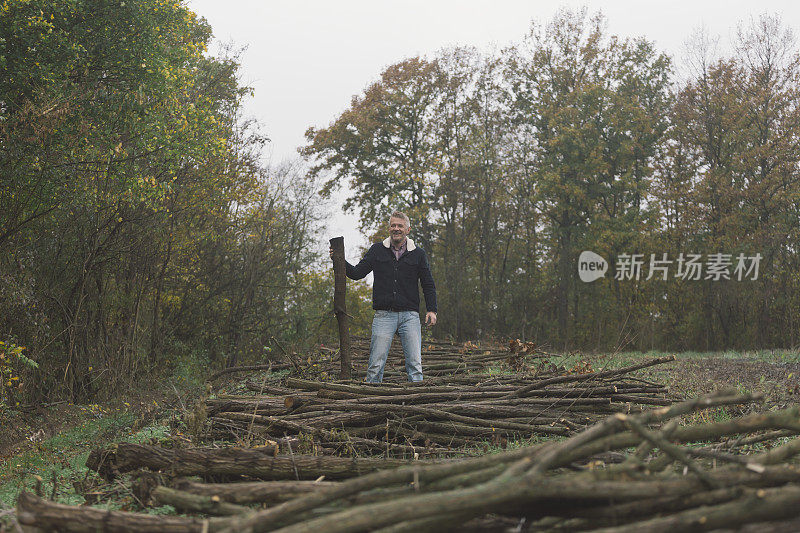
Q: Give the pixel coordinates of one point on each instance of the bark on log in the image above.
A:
(340, 306)
(766, 505)
(251, 368)
(382, 389)
(257, 463)
(126, 457)
(193, 503)
(632, 511)
(264, 407)
(254, 492)
(36, 514)
(436, 413)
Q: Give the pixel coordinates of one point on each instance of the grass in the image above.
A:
(767, 356)
(62, 458)
(488, 447)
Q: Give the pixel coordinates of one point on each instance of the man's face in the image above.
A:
(398, 229)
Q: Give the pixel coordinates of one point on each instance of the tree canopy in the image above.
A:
(513, 163)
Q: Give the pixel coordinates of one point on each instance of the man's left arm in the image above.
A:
(428, 289)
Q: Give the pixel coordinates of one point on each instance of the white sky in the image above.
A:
(306, 59)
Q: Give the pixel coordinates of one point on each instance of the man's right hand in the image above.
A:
(331, 253)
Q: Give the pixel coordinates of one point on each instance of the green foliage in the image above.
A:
(312, 307)
(134, 208)
(12, 364)
(63, 456)
(384, 141)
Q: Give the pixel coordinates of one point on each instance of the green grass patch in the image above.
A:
(492, 446)
(62, 458)
(767, 356)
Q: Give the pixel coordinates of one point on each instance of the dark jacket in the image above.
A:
(395, 287)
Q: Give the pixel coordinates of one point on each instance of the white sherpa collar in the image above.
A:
(387, 242)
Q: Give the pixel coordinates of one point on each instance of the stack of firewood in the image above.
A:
(440, 359)
(432, 417)
(648, 471)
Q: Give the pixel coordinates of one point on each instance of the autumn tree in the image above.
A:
(596, 108)
(381, 147)
(125, 159)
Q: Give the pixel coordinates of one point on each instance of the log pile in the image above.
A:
(662, 485)
(442, 415)
(440, 359)
(646, 471)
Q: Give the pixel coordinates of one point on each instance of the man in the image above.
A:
(397, 264)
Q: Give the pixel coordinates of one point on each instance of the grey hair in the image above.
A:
(400, 214)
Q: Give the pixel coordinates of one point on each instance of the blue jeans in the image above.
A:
(384, 326)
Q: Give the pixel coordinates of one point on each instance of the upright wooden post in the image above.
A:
(339, 306)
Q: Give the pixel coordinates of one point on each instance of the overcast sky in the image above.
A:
(306, 59)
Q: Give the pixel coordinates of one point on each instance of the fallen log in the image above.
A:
(38, 513)
(194, 503)
(126, 457)
(250, 368)
(254, 492)
(342, 437)
(259, 463)
(261, 406)
(444, 415)
(763, 505)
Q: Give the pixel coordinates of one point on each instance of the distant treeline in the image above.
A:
(140, 230)
(513, 163)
